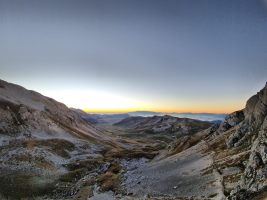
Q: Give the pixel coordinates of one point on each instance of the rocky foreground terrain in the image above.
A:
(48, 151)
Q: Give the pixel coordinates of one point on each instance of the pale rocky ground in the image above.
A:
(181, 175)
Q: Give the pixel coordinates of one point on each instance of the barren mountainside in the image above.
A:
(48, 151)
(161, 124)
(38, 136)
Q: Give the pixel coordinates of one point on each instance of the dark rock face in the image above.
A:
(235, 118)
(252, 131)
(256, 107)
(232, 120)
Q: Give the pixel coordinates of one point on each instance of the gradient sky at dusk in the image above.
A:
(120, 55)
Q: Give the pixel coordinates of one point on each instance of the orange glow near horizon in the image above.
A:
(162, 111)
(212, 108)
(104, 102)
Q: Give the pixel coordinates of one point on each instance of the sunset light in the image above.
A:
(133, 99)
(96, 101)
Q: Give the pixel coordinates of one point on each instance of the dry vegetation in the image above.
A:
(131, 153)
(84, 193)
(60, 147)
(17, 185)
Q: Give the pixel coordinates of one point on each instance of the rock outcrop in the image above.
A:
(252, 132)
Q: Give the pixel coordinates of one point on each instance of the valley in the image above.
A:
(49, 151)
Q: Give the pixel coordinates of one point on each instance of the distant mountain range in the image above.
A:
(199, 116)
(164, 124)
(112, 118)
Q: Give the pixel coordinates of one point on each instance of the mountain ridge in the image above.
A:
(45, 146)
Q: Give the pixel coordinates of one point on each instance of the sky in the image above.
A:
(126, 55)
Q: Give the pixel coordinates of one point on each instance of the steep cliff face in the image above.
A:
(251, 132)
(256, 107)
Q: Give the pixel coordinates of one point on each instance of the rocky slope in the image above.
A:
(226, 161)
(22, 110)
(251, 132)
(163, 124)
(38, 138)
(48, 151)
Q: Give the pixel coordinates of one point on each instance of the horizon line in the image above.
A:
(162, 112)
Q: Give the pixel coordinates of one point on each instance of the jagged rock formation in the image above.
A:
(252, 131)
(240, 144)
